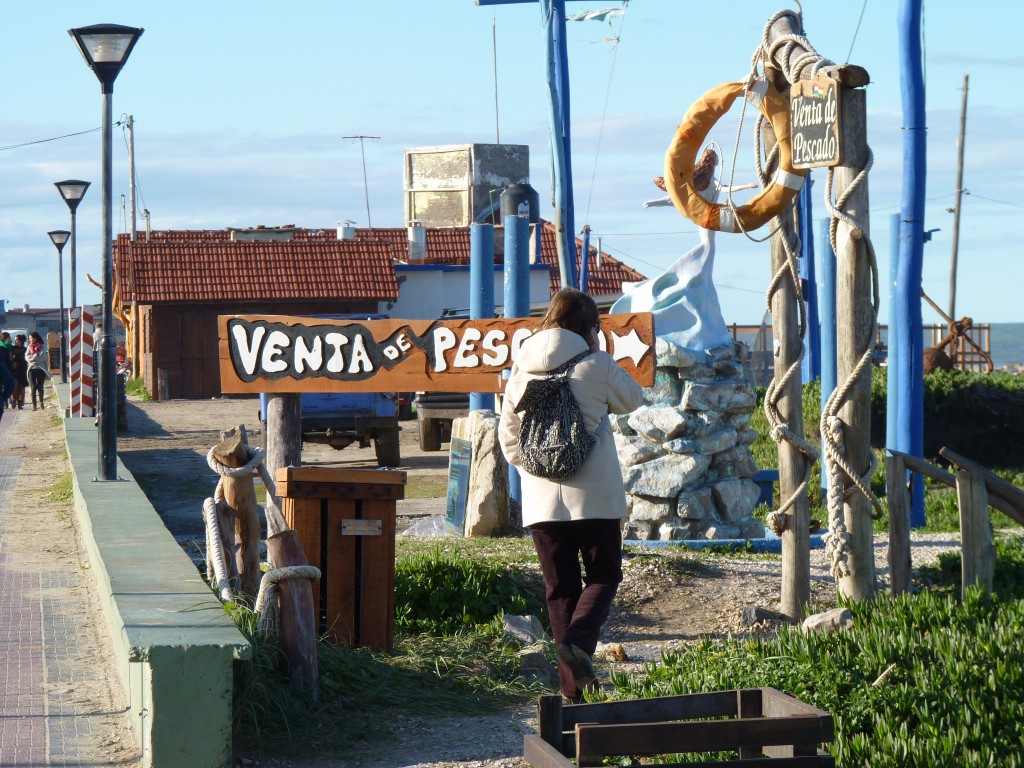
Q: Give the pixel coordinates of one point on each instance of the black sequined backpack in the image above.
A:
(553, 439)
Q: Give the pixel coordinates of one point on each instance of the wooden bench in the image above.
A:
(757, 723)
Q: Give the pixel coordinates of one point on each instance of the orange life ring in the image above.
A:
(690, 136)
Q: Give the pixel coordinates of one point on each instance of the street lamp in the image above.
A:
(105, 48)
(59, 237)
(72, 191)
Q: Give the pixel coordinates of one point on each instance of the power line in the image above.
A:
(993, 200)
(52, 138)
(366, 189)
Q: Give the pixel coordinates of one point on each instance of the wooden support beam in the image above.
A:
(1006, 491)
(898, 496)
(284, 449)
(978, 558)
(240, 496)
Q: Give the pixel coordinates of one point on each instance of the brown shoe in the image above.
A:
(580, 663)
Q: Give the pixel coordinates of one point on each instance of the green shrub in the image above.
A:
(137, 388)
(442, 592)
(952, 695)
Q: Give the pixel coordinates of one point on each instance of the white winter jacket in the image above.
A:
(600, 386)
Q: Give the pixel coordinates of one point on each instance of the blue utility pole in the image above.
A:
(910, 396)
(557, 69)
(517, 300)
(827, 313)
(481, 292)
(811, 368)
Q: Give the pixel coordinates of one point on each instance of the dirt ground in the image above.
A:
(664, 602)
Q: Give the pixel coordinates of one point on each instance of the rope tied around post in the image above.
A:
(841, 473)
(267, 601)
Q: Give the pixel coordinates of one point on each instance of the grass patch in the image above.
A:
(137, 388)
(954, 695)
(426, 487)
(463, 665)
(63, 490)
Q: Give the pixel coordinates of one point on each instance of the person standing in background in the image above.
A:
(6, 377)
(19, 369)
(35, 356)
(580, 516)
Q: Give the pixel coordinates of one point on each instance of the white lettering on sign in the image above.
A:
(337, 362)
(248, 350)
(464, 358)
(305, 356)
(807, 151)
(814, 122)
(444, 339)
(360, 360)
(273, 360)
(495, 350)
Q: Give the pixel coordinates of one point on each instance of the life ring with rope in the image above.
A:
(691, 135)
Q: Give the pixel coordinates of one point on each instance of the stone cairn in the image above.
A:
(685, 454)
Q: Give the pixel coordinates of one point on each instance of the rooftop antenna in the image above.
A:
(366, 191)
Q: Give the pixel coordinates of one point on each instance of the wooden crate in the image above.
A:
(345, 521)
(766, 727)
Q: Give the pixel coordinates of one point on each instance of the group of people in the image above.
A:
(22, 366)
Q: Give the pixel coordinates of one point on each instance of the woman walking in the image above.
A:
(19, 369)
(35, 356)
(578, 517)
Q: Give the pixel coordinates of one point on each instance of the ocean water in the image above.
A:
(1006, 342)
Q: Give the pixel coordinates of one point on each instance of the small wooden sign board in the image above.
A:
(282, 353)
(814, 122)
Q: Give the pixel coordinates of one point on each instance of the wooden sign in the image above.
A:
(279, 353)
(814, 122)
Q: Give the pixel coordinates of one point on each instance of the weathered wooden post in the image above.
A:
(978, 554)
(855, 314)
(786, 47)
(898, 497)
(240, 497)
(284, 449)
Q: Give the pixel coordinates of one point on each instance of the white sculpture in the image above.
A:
(683, 298)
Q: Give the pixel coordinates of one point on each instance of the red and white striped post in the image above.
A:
(83, 399)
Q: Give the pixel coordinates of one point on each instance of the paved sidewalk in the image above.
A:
(56, 672)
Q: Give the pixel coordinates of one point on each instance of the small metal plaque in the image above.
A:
(361, 528)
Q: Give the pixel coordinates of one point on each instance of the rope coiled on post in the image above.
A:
(268, 604)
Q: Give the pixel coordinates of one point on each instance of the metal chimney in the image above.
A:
(417, 240)
(346, 230)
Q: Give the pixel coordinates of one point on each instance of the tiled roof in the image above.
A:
(206, 265)
(192, 266)
(450, 245)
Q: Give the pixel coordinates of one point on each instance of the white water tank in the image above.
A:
(346, 230)
(417, 240)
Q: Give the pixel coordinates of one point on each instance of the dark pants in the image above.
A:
(578, 601)
(36, 377)
(6, 386)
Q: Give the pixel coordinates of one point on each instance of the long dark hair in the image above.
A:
(572, 310)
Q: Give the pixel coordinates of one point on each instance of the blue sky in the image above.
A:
(240, 111)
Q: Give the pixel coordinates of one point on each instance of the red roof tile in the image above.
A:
(192, 267)
(204, 265)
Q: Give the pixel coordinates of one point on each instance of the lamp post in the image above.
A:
(59, 238)
(105, 48)
(72, 191)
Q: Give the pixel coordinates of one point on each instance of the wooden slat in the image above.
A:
(341, 587)
(997, 487)
(937, 473)
(593, 741)
(540, 754)
(689, 706)
(821, 760)
(338, 490)
(776, 703)
(978, 559)
(335, 475)
(549, 723)
(749, 705)
(377, 578)
(898, 498)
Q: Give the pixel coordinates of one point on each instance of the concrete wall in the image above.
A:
(174, 645)
(424, 290)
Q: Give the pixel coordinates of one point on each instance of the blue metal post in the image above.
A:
(585, 258)
(827, 313)
(517, 299)
(910, 431)
(892, 342)
(553, 18)
(481, 292)
(812, 344)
